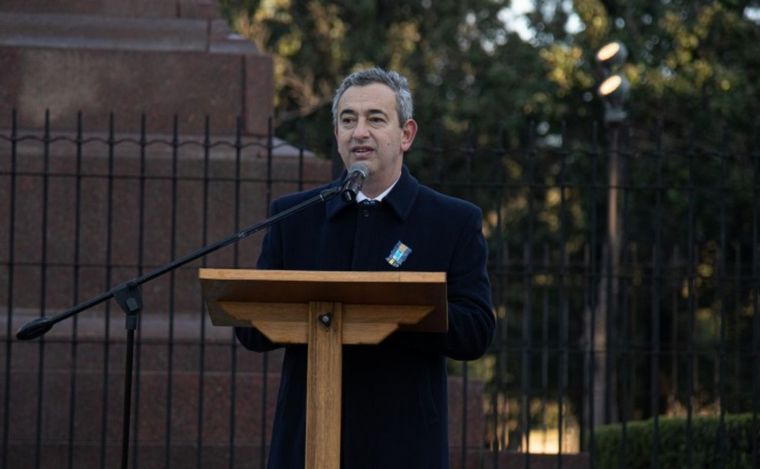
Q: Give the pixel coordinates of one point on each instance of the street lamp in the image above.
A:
(613, 90)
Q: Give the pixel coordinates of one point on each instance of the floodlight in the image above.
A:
(612, 54)
(614, 91)
(614, 88)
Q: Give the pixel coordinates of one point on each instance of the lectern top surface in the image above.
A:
(322, 276)
(351, 288)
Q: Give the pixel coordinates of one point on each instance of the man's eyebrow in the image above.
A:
(371, 111)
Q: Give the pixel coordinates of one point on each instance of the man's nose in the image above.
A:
(361, 130)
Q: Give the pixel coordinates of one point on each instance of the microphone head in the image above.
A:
(360, 168)
(34, 329)
(357, 173)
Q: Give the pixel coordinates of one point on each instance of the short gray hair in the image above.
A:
(393, 80)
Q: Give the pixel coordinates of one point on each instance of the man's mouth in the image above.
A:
(362, 151)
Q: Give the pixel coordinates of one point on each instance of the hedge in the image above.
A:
(637, 449)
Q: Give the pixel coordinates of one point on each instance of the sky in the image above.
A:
(514, 18)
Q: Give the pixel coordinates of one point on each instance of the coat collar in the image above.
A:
(400, 199)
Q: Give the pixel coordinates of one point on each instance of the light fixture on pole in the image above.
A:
(614, 87)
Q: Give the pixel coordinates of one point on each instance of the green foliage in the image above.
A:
(729, 446)
(462, 64)
(690, 63)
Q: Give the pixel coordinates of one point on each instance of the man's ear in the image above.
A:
(408, 132)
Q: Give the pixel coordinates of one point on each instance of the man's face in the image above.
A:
(368, 131)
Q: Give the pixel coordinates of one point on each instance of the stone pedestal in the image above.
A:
(177, 63)
(164, 58)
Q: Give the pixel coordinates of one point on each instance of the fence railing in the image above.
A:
(624, 273)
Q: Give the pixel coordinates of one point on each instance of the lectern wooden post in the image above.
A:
(325, 310)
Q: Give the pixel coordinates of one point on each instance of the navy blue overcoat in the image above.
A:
(394, 394)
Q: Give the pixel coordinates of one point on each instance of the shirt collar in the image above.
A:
(400, 196)
(360, 197)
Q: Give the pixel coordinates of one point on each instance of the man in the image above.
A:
(394, 412)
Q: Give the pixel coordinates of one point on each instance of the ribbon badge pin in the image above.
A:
(398, 255)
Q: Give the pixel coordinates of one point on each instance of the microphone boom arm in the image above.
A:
(41, 325)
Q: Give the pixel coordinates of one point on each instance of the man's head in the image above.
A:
(372, 116)
(391, 79)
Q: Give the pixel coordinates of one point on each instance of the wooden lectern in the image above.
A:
(325, 310)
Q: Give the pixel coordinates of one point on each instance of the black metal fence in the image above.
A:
(624, 269)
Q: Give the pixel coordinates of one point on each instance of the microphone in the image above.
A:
(357, 173)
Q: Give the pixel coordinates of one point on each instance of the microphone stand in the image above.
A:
(127, 295)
